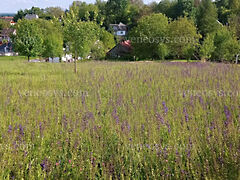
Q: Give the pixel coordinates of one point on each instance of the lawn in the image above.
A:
(119, 120)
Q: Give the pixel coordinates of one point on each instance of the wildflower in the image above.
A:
(165, 108)
(9, 129)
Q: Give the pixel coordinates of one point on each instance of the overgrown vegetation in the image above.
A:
(119, 120)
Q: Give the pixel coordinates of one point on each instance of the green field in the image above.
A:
(119, 120)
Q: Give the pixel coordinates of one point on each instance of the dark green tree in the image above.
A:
(207, 19)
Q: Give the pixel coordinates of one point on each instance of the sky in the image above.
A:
(12, 6)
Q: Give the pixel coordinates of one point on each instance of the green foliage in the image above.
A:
(234, 23)
(52, 38)
(207, 17)
(87, 12)
(184, 38)
(4, 24)
(34, 10)
(227, 46)
(29, 39)
(98, 51)
(116, 11)
(207, 47)
(107, 39)
(80, 35)
(146, 37)
(53, 12)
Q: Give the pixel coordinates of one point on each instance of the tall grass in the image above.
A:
(119, 120)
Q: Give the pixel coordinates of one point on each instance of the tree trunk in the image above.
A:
(75, 62)
(28, 58)
(237, 58)
(203, 60)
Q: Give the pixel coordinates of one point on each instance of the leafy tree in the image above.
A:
(52, 12)
(184, 38)
(107, 39)
(138, 3)
(207, 47)
(207, 17)
(28, 40)
(116, 11)
(146, 36)
(87, 12)
(98, 51)
(4, 24)
(234, 23)
(227, 46)
(34, 10)
(52, 38)
(80, 35)
(168, 8)
(234, 5)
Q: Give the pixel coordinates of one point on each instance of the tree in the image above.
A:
(227, 46)
(52, 12)
(80, 36)
(147, 37)
(184, 38)
(168, 8)
(234, 23)
(207, 17)
(4, 24)
(116, 11)
(107, 39)
(28, 40)
(52, 38)
(34, 10)
(207, 47)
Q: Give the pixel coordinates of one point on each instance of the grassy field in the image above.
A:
(119, 120)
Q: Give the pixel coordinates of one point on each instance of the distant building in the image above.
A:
(9, 19)
(6, 47)
(5, 34)
(122, 49)
(31, 16)
(119, 29)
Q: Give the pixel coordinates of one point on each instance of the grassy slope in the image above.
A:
(138, 120)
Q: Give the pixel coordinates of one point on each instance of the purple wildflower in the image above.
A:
(165, 108)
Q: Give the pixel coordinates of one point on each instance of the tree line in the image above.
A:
(185, 29)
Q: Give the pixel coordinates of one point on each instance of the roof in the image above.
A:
(7, 18)
(121, 49)
(119, 27)
(31, 16)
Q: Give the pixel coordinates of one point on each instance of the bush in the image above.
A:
(226, 45)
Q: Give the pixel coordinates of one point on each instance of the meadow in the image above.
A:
(119, 120)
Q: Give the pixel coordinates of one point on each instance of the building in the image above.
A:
(8, 19)
(31, 16)
(5, 34)
(122, 49)
(119, 29)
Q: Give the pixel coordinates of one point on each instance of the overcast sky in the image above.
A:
(12, 6)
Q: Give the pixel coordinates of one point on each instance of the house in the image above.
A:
(9, 19)
(5, 41)
(122, 49)
(31, 16)
(5, 34)
(119, 29)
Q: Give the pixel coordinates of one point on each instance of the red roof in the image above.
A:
(126, 43)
